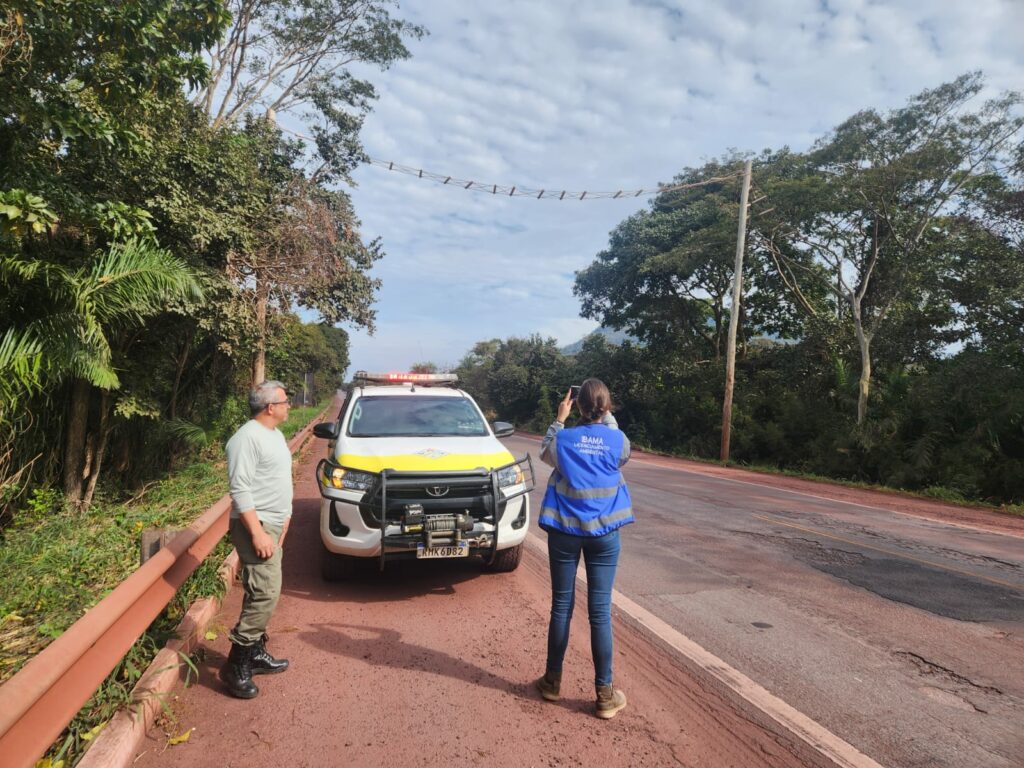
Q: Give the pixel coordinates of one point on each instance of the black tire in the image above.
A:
(506, 560)
(334, 567)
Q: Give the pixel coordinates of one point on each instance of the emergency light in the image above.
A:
(400, 378)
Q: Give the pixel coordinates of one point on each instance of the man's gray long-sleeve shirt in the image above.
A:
(260, 473)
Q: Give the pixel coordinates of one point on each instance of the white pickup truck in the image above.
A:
(413, 470)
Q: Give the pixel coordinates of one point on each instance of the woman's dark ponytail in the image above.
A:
(593, 400)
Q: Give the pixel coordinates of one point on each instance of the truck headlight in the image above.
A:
(349, 479)
(510, 476)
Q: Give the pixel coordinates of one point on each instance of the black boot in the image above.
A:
(263, 663)
(236, 674)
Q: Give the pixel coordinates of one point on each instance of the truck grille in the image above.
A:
(436, 494)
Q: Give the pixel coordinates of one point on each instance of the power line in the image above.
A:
(539, 194)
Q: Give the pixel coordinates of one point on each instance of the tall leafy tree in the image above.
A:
(523, 369)
(82, 311)
(305, 250)
(78, 261)
(279, 56)
(70, 68)
(668, 271)
(887, 192)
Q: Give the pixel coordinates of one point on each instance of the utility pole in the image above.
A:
(734, 314)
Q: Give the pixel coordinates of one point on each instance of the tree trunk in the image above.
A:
(74, 449)
(101, 447)
(864, 385)
(259, 356)
(719, 314)
(743, 331)
(180, 369)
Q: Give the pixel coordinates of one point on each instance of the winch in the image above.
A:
(438, 529)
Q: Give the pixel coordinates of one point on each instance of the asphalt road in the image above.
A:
(433, 664)
(901, 633)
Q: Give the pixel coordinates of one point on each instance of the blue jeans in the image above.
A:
(600, 556)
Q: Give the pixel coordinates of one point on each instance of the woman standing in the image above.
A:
(585, 505)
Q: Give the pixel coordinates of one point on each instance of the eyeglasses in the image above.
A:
(279, 402)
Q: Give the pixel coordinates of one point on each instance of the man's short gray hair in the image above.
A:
(263, 395)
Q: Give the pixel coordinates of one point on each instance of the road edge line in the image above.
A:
(798, 725)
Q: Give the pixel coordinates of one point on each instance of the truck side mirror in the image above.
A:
(326, 429)
(503, 429)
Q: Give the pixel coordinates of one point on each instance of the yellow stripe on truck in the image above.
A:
(412, 462)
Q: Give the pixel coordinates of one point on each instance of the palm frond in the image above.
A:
(191, 434)
(20, 366)
(134, 280)
(75, 345)
(841, 373)
(18, 270)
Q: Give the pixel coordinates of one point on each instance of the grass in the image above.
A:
(55, 565)
(298, 418)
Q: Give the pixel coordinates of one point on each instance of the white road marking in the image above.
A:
(803, 728)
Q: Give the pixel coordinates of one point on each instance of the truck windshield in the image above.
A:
(415, 416)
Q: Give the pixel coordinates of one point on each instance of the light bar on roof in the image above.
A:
(402, 377)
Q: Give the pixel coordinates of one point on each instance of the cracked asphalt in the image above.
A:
(896, 623)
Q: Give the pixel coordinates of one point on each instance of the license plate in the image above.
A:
(454, 550)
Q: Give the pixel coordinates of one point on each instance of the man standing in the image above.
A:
(260, 480)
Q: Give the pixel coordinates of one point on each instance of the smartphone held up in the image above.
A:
(574, 391)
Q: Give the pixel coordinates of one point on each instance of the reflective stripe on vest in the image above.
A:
(586, 494)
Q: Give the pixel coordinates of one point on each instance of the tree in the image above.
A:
(280, 56)
(521, 367)
(73, 78)
(338, 342)
(308, 250)
(474, 371)
(985, 277)
(299, 349)
(76, 312)
(667, 272)
(886, 190)
(69, 71)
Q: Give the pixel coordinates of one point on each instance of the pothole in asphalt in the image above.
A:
(813, 553)
(941, 591)
(947, 698)
(761, 624)
(926, 668)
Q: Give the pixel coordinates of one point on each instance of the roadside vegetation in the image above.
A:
(882, 310)
(163, 245)
(159, 233)
(57, 563)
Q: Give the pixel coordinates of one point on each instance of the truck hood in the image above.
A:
(421, 454)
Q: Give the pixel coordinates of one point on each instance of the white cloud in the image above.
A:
(604, 95)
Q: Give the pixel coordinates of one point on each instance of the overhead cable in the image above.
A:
(540, 194)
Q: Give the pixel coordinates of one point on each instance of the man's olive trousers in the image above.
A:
(261, 580)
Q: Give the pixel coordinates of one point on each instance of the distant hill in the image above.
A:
(617, 337)
(610, 335)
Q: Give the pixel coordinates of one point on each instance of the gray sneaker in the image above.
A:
(609, 701)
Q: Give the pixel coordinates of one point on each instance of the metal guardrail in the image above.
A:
(46, 694)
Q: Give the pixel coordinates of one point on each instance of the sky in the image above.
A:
(604, 95)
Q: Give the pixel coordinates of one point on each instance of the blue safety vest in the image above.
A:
(586, 494)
